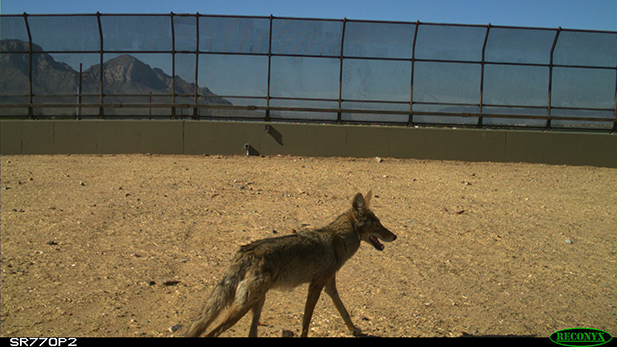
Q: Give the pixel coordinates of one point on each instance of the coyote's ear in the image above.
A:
(359, 203)
(367, 198)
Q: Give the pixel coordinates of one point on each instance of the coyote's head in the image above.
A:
(369, 226)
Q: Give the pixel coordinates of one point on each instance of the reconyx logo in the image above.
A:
(580, 337)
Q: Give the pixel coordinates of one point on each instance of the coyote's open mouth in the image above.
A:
(375, 242)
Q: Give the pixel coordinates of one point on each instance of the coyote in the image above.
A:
(285, 262)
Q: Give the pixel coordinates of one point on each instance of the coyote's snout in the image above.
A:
(311, 257)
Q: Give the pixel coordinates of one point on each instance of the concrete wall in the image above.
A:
(213, 137)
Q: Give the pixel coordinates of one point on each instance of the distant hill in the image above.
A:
(49, 76)
(124, 74)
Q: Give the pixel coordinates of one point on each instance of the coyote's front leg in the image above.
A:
(314, 291)
(338, 303)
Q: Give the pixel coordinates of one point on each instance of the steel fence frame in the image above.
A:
(267, 109)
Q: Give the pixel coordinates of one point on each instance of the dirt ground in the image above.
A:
(131, 245)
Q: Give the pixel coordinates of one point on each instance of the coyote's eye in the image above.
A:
(371, 219)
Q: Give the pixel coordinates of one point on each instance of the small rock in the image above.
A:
(175, 328)
(170, 283)
(378, 159)
(568, 241)
(287, 333)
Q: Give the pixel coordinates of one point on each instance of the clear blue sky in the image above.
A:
(573, 14)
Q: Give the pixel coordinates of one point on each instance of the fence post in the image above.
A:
(339, 114)
(413, 67)
(79, 91)
(480, 119)
(101, 69)
(267, 117)
(30, 62)
(550, 80)
(615, 109)
(173, 67)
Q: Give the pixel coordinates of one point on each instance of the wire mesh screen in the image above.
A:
(191, 66)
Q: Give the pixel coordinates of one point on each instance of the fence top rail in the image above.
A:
(197, 14)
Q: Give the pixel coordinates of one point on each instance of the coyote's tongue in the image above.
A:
(375, 242)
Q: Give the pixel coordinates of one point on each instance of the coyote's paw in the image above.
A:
(356, 331)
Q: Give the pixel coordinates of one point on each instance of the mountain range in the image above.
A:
(124, 74)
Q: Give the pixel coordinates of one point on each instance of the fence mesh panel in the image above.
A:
(267, 68)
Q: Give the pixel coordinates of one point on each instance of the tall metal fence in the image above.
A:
(193, 66)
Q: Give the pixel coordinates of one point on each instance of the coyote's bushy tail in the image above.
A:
(222, 296)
